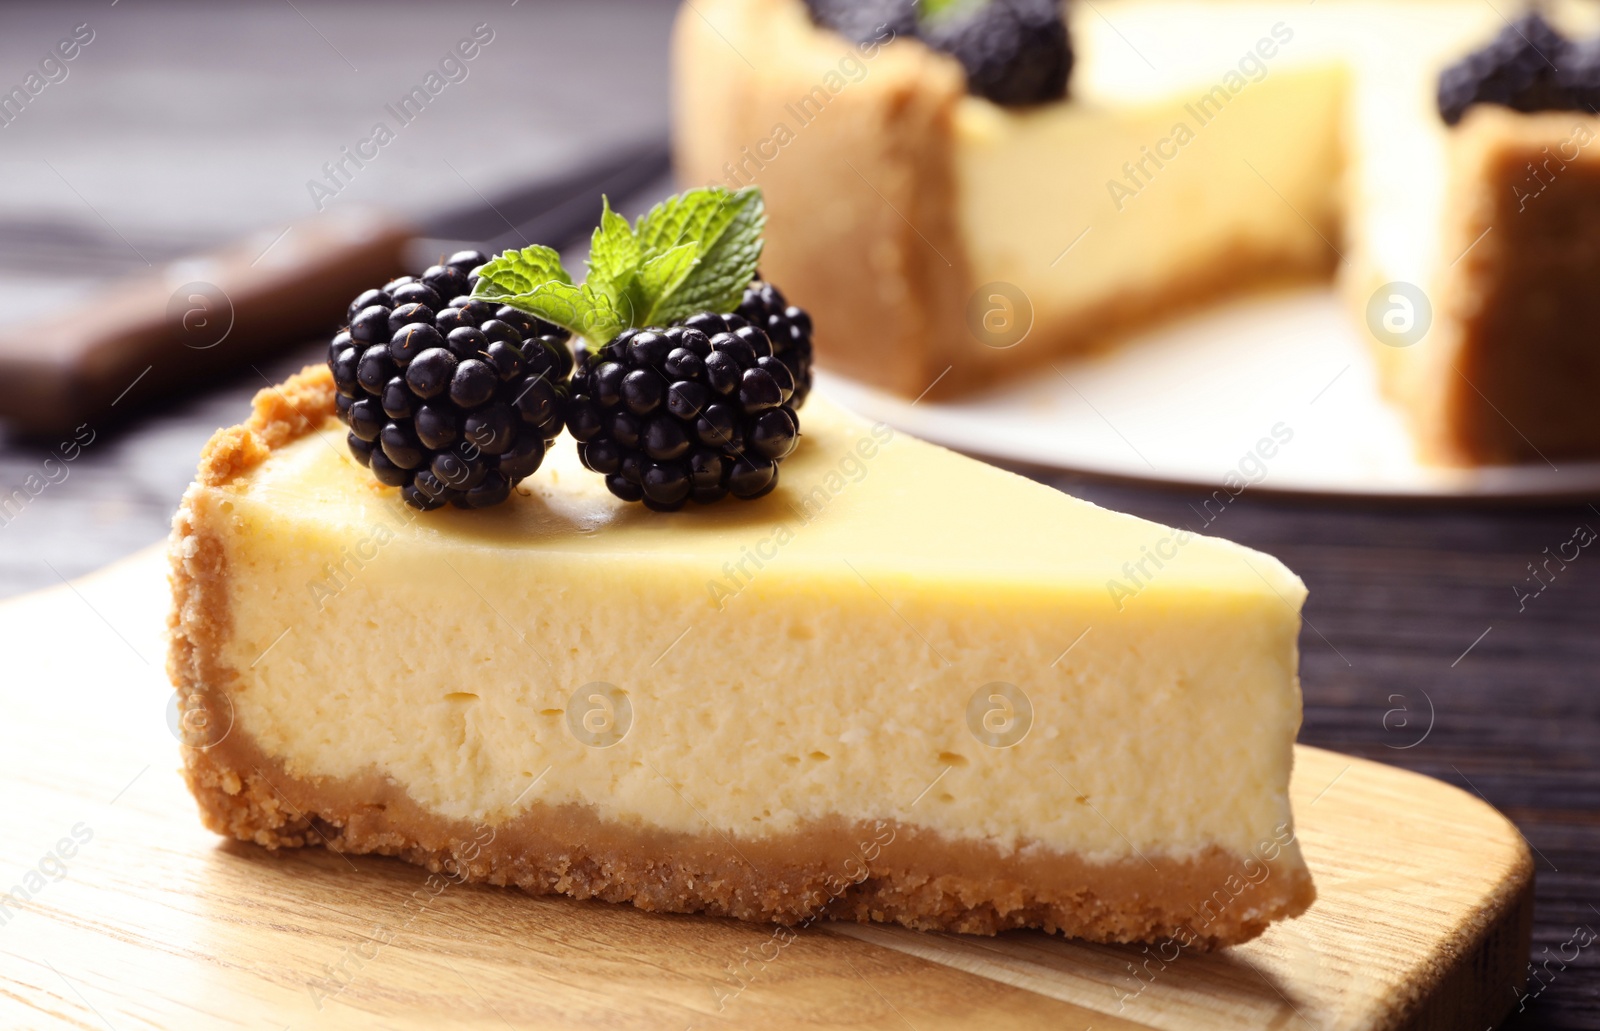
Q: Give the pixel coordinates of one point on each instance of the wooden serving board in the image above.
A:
(140, 918)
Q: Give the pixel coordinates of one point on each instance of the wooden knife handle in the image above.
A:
(192, 319)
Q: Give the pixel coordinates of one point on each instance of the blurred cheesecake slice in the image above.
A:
(906, 686)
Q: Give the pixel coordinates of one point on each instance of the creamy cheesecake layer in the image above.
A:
(1193, 131)
(1090, 204)
(833, 683)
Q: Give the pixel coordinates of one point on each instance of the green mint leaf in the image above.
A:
(730, 249)
(602, 320)
(533, 280)
(581, 309)
(690, 217)
(693, 252)
(934, 10)
(520, 272)
(661, 278)
(614, 255)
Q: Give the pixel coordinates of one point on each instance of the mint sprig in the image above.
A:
(934, 10)
(693, 252)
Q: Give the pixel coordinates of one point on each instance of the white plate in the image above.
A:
(1275, 392)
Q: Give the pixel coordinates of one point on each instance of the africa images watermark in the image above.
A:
(857, 868)
(52, 471)
(1582, 537)
(1252, 873)
(805, 109)
(355, 557)
(52, 70)
(1249, 471)
(1252, 68)
(51, 865)
(1541, 977)
(848, 471)
(338, 174)
(339, 976)
(1539, 179)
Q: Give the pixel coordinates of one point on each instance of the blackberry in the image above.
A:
(451, 399)
(1579, 75)
(789, 329)
(1015, 52)
(1517, 69)
(865, 21)
(691, 412)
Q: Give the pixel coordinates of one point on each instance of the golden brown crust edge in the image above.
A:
(279, 415)
(1523, 370)
(198, 622)
(884, 872)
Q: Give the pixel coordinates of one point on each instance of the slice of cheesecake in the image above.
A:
(905, 686)
(947, 240)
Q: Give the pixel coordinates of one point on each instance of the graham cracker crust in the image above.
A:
(1516, 377)
(884, 871)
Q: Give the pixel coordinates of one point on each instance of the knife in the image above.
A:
(195, 318)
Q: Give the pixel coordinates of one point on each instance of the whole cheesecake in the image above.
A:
(895, 198)
(1204, 150)
(902, 686)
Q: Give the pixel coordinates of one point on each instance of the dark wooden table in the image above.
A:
(1417, 650)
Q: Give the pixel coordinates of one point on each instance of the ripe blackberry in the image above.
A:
(865, 21)
(451, 399)
(1517, 69)
(692, 412)
(1579, 74)
(1015, 52)
(789, 329)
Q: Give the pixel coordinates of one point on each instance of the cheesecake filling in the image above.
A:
(1083, 720)
(1192, 132)
(764, 673)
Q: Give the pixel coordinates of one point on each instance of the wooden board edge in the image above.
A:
(1490, 971)
(1478, 973)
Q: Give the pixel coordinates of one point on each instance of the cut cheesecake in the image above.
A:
(1205, 149)
(905, 686)
(1199, 160)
